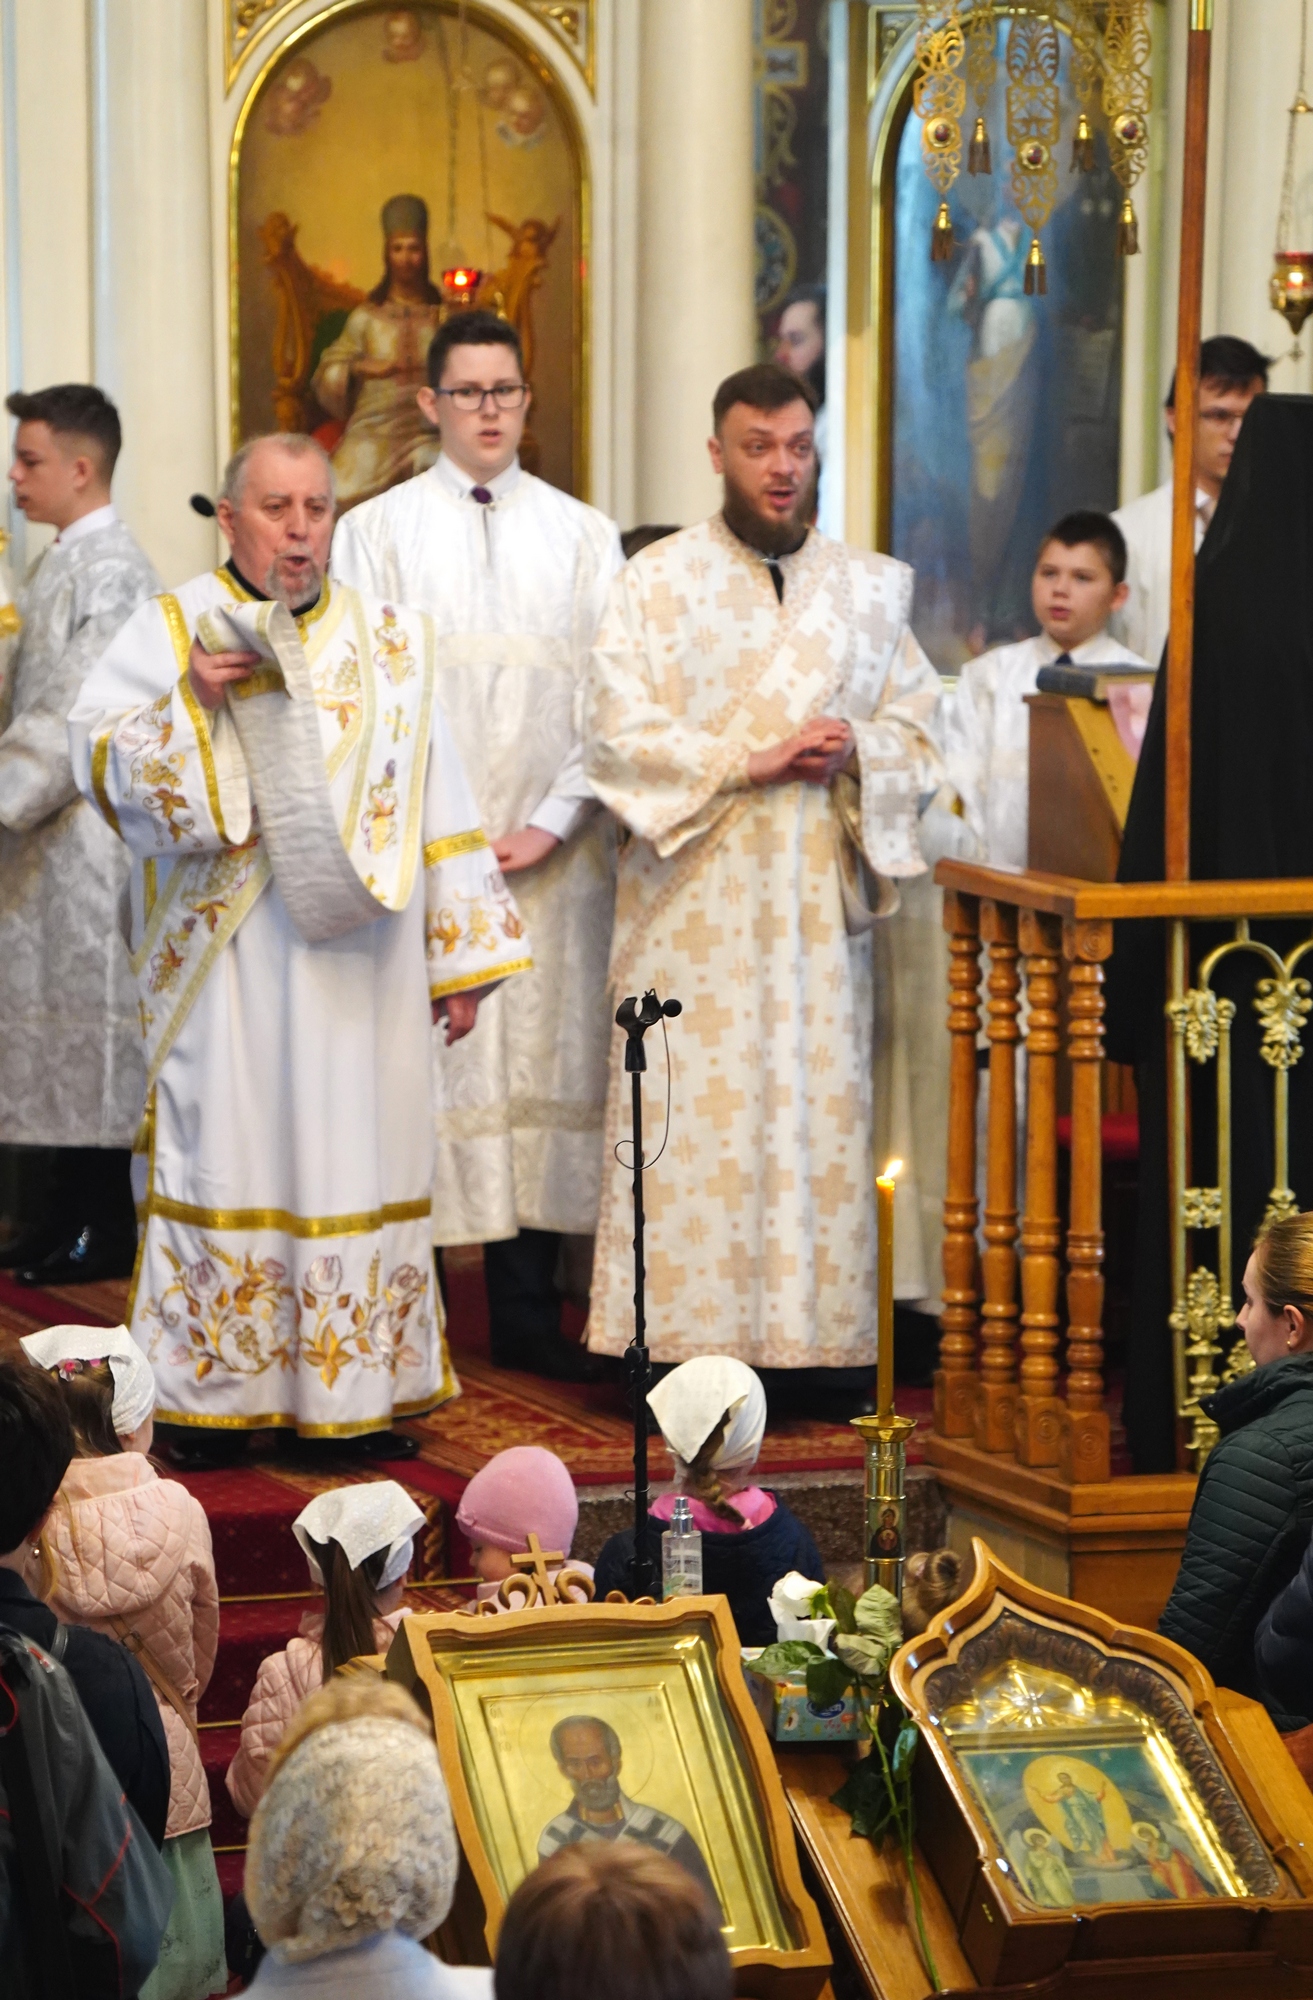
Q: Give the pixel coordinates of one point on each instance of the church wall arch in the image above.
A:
(328, 106)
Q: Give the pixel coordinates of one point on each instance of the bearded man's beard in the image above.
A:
(598, 1794)
(770, 537)
(295, 598)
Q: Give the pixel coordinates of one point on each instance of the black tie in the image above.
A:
(1064, 660)
(776, 577)
(482, 495)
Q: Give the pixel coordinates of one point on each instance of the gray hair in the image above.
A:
(295, 443)
(609, 1737)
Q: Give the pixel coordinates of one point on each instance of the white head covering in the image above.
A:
(354, 1837)
(690, 1401)
(363, 1519)
(134, 1384)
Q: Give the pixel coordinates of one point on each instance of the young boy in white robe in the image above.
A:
(1079, 581)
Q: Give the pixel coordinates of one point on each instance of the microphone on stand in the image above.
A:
(201, 503)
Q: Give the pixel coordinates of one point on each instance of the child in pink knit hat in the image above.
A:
(521, 1492)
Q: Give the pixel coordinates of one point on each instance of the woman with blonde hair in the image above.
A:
(712, 1413)
(1254, 1505)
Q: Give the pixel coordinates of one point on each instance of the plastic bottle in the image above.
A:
(681, 1553)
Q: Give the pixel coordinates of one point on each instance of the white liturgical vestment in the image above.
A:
(285, 959)
(70, 1065)
(761, 1216)
(515, 587)
(1147, 525)
(986, 731)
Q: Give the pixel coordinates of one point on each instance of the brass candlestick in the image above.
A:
(885, 1438)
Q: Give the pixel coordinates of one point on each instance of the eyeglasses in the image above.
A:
(506, 396)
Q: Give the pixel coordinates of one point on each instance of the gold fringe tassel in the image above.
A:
(941, 236)
(1037, 275)
(1128, 231)
(1082, 147)
(978, 156)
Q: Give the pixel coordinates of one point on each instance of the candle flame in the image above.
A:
(892, 1171)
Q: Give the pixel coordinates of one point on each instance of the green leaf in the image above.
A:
(867, 1657)
(866, 1797)
(820, 1604)
(905, 1750)
(876, 1614)
(842, 1607)
(827, 1682)
(782, 1660)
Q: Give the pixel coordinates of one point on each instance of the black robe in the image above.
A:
(1250, 817)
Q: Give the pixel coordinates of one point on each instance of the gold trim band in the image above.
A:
(176, 621)
(454, 843)
(99, 767)
(283, 1420)
(263, 680)
(247, 1220)
(473, 979)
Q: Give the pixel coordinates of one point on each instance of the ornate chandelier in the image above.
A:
(957, 52)
(1291, 287)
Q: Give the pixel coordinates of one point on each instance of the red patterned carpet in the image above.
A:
(262, 1578)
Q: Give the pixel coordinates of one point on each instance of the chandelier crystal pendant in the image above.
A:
(958, 50)
(1291, 286)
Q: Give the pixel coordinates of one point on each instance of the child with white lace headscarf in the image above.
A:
(353, 1855)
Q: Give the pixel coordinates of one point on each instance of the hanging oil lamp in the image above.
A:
(1291, 286)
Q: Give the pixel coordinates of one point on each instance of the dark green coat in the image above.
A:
(1250, 1522)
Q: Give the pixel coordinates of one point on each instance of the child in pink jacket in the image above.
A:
(358, 1543)
(131, 1556)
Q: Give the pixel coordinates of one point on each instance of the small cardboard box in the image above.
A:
(789, 1717)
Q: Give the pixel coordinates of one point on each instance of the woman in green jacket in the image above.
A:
(1253, 1510)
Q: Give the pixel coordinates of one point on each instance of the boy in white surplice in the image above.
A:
(310, 880)
(514, 575)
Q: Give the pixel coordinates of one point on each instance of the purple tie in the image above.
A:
(482, 495)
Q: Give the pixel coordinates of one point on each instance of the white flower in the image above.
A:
(793, 1596)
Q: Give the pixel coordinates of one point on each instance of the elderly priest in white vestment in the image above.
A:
(310, 880)
(514, 575)
(762, 719)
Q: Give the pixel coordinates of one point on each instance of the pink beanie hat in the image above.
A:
(524, 1491)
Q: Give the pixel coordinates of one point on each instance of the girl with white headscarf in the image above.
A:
(358, 1542)
(712, 1413)
(128, 1553)
(353, 1854)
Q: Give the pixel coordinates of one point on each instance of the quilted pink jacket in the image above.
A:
(131, 1545)
(282, 1684)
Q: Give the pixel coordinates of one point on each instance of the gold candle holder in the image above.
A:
(885, 1437)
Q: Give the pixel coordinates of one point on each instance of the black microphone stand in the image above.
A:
(636, 1021)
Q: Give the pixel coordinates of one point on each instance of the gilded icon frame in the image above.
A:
(669, 1679)
(1077, 1684)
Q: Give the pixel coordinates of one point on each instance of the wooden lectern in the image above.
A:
(1081, 775)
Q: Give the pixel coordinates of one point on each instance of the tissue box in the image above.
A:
(789, 1717)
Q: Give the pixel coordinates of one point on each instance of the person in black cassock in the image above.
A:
(1251, 766)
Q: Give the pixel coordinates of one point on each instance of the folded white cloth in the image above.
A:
(690, 1401)
(362, 1519)
(134, 1382)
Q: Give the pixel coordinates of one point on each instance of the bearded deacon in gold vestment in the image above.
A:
(762, 720)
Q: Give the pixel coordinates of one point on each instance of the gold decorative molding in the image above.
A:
(572, 23)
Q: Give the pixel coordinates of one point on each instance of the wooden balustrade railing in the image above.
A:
(999, 1383)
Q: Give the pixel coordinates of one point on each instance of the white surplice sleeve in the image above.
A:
(667, 780)
(600, 562)
(892, 709)
(167, 775)
(36, 776)
(474, 934)
(968, 742)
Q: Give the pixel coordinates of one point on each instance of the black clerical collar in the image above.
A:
(248, 589)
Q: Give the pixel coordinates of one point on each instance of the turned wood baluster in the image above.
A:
(955, 1378)
(996, 1400)
(1084, 1451)
(1039, 1408)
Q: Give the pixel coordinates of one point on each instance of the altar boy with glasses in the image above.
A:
(515, 575)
